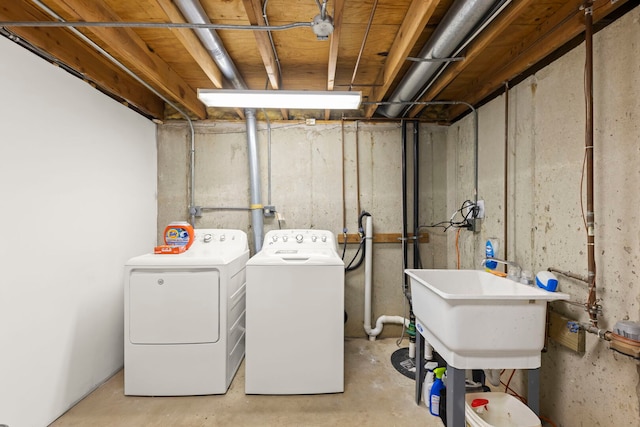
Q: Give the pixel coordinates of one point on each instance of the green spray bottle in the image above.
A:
(434, 395)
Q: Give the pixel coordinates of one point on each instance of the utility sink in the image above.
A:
(477, 320)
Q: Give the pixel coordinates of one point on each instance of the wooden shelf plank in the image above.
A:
(383, 238)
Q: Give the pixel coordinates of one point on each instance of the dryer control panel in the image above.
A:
(206, 239)
(300, 239)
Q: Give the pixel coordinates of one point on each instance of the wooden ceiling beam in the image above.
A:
(475, 50)
(62, 45)
(417, 17)
(125, 44)
(549, 37)
(255, 16)
(333, 48)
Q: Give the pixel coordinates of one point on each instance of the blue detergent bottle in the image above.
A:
(434, 395)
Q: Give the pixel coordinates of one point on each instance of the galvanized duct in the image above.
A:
(459, 22)
(195, 14)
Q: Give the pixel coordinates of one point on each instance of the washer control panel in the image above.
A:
(299, 239)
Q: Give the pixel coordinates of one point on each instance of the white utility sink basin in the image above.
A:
(477, 320)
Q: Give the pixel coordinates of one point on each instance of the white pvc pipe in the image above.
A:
(368, 276)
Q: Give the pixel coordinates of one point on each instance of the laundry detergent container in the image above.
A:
(494, 409)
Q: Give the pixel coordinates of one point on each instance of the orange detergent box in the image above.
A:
(169, 249)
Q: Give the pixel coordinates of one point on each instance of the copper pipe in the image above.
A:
(591, 300)
(357, 170)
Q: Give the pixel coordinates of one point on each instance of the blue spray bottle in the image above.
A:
(434, 395)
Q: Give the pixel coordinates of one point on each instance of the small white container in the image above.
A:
(501, 410)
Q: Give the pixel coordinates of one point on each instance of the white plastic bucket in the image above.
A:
(501, 410)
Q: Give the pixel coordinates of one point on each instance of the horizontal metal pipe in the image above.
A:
(207, 208)
(193, 26)
(569, 274)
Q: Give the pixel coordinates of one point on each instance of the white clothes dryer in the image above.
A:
(295, 315)
(184, 317)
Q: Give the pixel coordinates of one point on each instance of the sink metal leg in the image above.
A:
(533, 390)
(455, 396)
(420, 373)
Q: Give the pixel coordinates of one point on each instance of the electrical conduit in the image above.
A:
(368, 275)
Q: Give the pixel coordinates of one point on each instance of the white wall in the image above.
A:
(543, 215)
(78, 187)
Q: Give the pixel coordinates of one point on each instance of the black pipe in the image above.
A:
(417, 263)
(405, 246)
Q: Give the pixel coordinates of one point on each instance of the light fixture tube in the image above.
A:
(302, 99)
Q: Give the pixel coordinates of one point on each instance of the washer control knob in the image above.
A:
(324, 238)
(285, 238)
(223, 237)
(299, 238)
(275, 238)
(207, 238)
(314, 238)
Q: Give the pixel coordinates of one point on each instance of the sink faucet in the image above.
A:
(514, 270)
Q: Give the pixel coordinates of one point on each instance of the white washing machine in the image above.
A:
(184, 317)
(295, 315)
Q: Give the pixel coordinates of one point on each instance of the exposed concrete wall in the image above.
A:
(78, 186)
(543, 213)
(306, 188)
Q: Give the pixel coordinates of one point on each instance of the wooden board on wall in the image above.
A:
(383, 238)
(559, 332)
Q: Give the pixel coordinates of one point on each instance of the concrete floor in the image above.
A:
(375, 395)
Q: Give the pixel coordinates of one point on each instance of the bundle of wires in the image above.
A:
(360, 253)
(472, 212)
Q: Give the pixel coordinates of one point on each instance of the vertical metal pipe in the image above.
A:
(254, 173)
(506, 170)
(344, 198)
(591, 300)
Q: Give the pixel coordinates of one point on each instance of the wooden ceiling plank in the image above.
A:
(418, 14)
(338, 9)
(192, 44)
(255, 16)
(474, 51)
(126, 44)
(539, 47)
(62, 45)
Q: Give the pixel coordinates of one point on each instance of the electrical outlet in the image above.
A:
(480, 213)
(269, 211)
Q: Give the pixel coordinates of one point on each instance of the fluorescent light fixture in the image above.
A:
(317, 100)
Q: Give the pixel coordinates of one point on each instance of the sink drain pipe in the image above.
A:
(368, 276)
